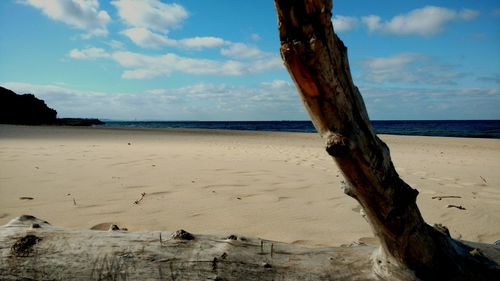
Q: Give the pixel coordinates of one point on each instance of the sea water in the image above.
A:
(442, 128)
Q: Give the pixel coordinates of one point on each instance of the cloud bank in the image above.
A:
(274, 100)
(144, 66)
(409, 68)
(426, 21)
(151, 14)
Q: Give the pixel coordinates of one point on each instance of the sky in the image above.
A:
(219, 60)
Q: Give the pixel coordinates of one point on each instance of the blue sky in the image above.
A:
(219, 60)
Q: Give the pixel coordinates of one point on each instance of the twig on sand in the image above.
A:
(445, 196)
(456, 206)
(483, 179)
(140, 199)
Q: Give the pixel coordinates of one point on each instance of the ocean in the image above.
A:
(442, 128)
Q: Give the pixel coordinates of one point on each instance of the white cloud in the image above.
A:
(82, 14)
(393, 68)
(151, 21)
(277, 84)
(373, 22)
(255, 37)
(150, 14)
(242, 51)
(147, 39)
(88, 53)
(202, 42)
(409, 68)
(344, 23)
(403, 103)
(143, 66)
(426, 21)
(115, 44)
(468, 14)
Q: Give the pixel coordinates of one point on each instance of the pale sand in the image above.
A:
(278, 186)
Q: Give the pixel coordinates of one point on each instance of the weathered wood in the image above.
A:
(32, 249)
(317, 61)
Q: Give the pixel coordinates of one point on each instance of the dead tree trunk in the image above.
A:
(317, 61)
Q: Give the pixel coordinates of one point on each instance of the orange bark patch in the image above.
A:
(303, 78)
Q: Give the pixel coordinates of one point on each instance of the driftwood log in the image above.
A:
(317, 61)
(32, 249)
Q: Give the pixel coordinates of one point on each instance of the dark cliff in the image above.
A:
(28, 110)
(24, 109)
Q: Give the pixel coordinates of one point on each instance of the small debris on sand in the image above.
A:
(445, 196)
(456, 206)
(140, 199)
(114, 227)
(26, 198)
(232, 237)
(483, 179)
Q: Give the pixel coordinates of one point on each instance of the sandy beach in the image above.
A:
(277, 186)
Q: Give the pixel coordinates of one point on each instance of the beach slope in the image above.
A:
(278, 186)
